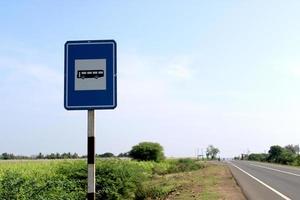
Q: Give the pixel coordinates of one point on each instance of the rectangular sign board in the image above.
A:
(90, 75)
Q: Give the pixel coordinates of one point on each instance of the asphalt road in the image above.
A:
(266, 181)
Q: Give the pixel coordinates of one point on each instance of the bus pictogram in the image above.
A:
(90, 74)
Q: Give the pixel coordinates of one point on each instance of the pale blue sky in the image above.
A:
(190, 74)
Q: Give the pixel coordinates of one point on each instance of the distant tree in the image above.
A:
(258, 157)
(63, 156)
(106, 155)
(212, 151)
(147, 151)
(286, 157)
(274, 153)
(8, 156)
(51, 156)
(75, 156)
(124, 154)
(5, 156)
(207, 155)
(40, 156)
(293, 148)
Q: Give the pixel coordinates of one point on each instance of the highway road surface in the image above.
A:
(266, 181)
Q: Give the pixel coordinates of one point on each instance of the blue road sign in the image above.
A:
(90, 75)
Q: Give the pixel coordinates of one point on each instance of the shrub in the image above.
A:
(16, 185)
(296, 161)
(286, 157)
(262, 157)
(117, 179)
(184, 165)
(147, 151)
(106, 155)
(154, 191)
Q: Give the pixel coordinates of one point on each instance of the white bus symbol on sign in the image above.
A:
(90, 74)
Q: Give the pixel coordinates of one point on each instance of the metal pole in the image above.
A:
(91, 156)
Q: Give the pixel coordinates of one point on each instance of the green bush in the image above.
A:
(262, 157)
(296, 161)
(118, 179)
(15, 185)
(184, 165)
(154, 191)
(147, 151)
(286, 157)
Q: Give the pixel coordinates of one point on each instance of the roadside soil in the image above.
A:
(215, 181)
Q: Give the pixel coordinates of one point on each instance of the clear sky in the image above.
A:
(190, 74)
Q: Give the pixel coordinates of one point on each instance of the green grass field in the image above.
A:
(67, 179)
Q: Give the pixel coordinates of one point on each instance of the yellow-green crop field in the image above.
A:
(67, 179)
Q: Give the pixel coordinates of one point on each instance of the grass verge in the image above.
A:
(212, 182)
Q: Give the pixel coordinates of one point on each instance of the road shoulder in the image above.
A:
(215, 181)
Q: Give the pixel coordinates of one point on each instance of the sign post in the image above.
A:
(91, 155)
(90, 83)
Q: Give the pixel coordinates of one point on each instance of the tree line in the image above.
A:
(144, 151)
(11, 156)
(69, 155)
(288, 155)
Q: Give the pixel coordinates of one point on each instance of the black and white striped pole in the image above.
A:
(91, 155)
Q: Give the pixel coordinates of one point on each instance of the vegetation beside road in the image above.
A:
(172, 179)
(115, 178)
(147, 174)
(288, 155)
